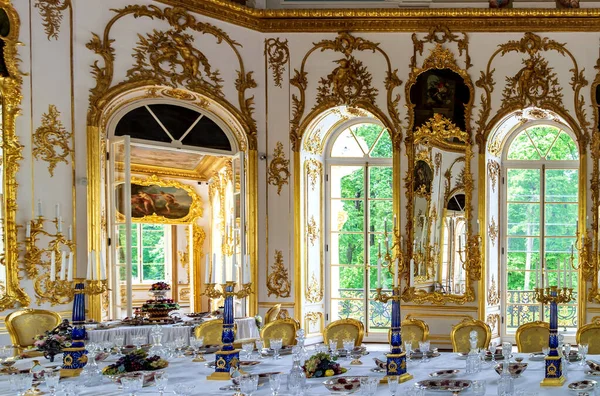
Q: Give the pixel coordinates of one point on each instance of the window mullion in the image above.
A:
(543, 232)
(367, 250)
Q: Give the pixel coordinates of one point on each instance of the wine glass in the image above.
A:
(408, 349)
(478, 387)
(275, 383)
(567, 353)
(51, 379)
(183, 389)
(247, 385)
(368, 385)
(348, 344)
(248, 348)
(180, 343)
(259, 347)
(119, 340)
(583, 350)
(161, 380)
(392, 384)
(424, 348)
(133, 383)
(492, 349)
(276, 344)
(507, 351)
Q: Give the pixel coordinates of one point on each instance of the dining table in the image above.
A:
(183, 370)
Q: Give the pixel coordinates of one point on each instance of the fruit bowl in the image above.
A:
(343, 385)
(515, 369)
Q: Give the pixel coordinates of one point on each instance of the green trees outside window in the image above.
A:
(148, 252)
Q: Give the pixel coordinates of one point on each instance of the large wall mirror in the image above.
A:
(439, 184)
(10, 98)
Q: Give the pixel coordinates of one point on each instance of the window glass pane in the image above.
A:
(346, 146)
(347, 215)
(562, 185)
(153, 272)
(521, 148)
(350, 308)
(380, 182)
(543, 136)
(367, 135)
(557, 251)
(563, 149)
(379, 315)
(523, 185)
(123, 272)
(523, 219)
(347, 249)
(523, 254)
(561, 219)
(383, 147)
(380, 213)
(347, 181)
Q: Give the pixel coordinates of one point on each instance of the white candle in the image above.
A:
(223, 271)
(214, 268)
(89, 267)
(59, 224)
(379, 273)
(57, 210)
(28, 230)
(39, 208)
(53, 266)
(412, 272)
(94, 268)
(206, 269)
(396, 273)
(63, 264)
(71, 269)
(571, 280)
(70, 233)
(247, 270)
(234, 269)
(102, 266)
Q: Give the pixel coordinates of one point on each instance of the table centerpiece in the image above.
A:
(322, 365)
(53, 342)
(137, 360)
(160, 306)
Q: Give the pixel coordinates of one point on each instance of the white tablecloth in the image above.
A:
(246, 328)
(182, 370)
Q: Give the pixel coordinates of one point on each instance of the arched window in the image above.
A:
(359, 188)
(541, 193)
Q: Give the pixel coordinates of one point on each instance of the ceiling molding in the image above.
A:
(396, 20)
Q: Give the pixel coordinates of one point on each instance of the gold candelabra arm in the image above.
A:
(554, 294)
(211, 291)
(245, 291)
(382, 297)
(94, 287)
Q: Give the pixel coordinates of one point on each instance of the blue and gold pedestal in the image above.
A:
(75, 357)
(396, 359)
(553, 373)
(228, 357)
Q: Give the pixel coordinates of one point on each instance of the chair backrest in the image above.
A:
(24, 324)
(280, 328)
(414, 330)
(272, 313)
(532, 337)
(212, 331)
(342, 329)
(461, 332)
(590, 334)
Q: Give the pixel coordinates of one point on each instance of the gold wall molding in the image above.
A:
(184, 260)
(314, 169)
(278, 282)
(278, 54)
(395, 20)
(493, 231)
(314, 291)
(441, 34)
(311, 319)
(348, 84)
(493, 295)
(279, 173)
(493, 168)
(594, 235)
(173, 47)
(493, 320)
(51, 140)
(51, 13)
(312, 231)
(12, 154)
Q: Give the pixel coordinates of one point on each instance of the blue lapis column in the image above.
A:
(396, 359)
(553, 375)
(228, 356)
(75, 357)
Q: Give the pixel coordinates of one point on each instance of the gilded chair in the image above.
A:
(272, 313)
(23, 325)
(280, 328)
(461, 331)
(414, 330)
(590, 334)
(532, 337)
(343, 329)
(212, 331)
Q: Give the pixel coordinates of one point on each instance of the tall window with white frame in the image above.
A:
(541, 190)
(359, 188)
(149, 253)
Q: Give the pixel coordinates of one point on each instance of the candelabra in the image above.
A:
(396, 359)
(228, 356)
(427, 256)
(553, 295)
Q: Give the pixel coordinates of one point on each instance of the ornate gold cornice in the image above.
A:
(396, 20)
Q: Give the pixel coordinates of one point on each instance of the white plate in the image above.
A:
(584, 385)
(444, 373)
(592, 373)
(536, 357)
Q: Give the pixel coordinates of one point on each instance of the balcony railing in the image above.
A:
(522, 308)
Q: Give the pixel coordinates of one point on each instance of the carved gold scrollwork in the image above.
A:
(493, 168)
(493, 296)
(312, 231)
(593, 263)
(493, 231)
(314, 291)
(278, 54)
(184, 260)
(348, 84)
(440, 34)
(314, 169)
(279, 173)
(49, 137)
(278, 282)
(51, 13)
(493, 320)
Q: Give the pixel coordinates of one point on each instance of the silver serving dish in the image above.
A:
(444, 374)
(444, 385)
(584, 385)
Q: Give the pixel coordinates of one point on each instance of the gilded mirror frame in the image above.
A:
(441, 132)
(11, 96)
